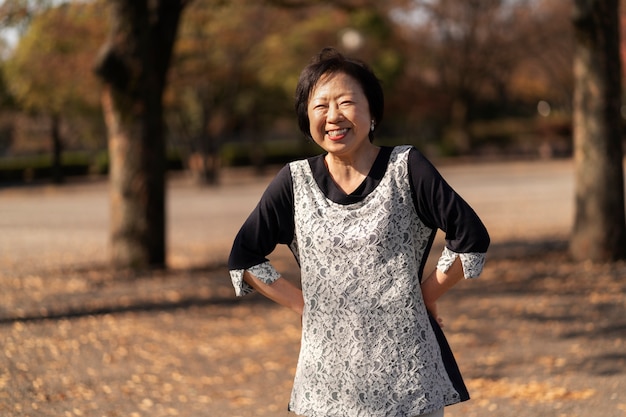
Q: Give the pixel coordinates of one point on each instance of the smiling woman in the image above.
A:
(339, 122)
(331, 63)
(360, 220)
(338, 105)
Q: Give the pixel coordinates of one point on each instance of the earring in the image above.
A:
(372, 125)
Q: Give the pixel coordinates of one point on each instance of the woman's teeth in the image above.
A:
(335, 133)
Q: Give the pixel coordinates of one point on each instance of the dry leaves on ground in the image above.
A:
(536, 335)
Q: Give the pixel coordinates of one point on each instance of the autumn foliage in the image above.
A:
(447, 67)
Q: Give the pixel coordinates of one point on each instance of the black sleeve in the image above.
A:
(440, 207)
(270, 223)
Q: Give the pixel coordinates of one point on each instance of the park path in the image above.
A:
(54, 226)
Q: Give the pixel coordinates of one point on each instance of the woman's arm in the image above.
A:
(281, 291)
(440, 207)
(438, 283)
(270, 223)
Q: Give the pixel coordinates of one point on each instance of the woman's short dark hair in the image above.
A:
(330, 61)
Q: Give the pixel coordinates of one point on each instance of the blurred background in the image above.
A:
(489, 79)
(129, 124)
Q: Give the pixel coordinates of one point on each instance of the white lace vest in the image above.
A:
(368, 349)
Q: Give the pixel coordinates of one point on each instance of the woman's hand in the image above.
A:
(432, 309)
(437, 284)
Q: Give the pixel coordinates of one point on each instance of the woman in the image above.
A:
(360, 219)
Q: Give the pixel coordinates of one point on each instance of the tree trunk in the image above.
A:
(57, 150)
(207, 157)
(133, 66)
(459, 137)
(599, 232)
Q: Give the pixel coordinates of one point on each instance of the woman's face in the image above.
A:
(339, 114)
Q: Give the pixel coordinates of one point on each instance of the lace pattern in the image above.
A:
(265, 272)
(364, 317)
(472, 262)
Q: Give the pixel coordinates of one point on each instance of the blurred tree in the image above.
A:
(232, 79)
(6, 97)
(215, 91)
(599, 232)
(466, 51)
(6, 103)
(475, 61)
(362, 29)
(544, 70)
(19, 13)
(133, 65)
(49, 71)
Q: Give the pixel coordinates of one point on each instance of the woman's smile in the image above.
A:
(337, 134)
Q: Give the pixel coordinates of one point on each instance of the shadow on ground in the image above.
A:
(537, 334)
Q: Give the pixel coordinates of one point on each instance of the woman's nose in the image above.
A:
(334, 113)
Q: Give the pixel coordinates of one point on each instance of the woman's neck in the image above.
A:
(349, 172)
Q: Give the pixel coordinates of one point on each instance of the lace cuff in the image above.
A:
(265, 272)
(472, 262)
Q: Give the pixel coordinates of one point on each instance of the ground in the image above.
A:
(536, 335)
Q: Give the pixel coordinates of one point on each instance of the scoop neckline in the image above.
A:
(333, 192)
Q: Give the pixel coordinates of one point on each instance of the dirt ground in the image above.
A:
(536, 335)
